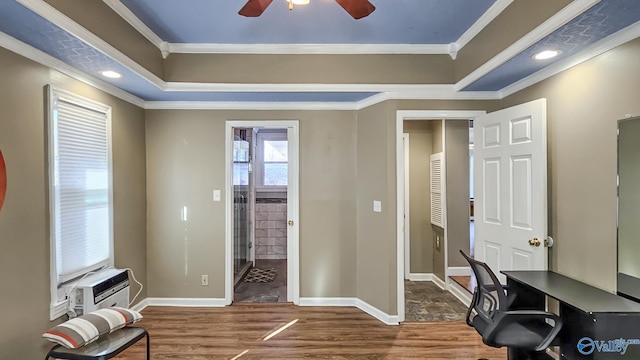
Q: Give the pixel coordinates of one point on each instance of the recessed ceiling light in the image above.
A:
(111, 74)
(547, 54)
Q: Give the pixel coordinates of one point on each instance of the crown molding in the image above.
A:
(301, 49)
(137, 24)
(307, 87)
(482, 22)
(12, 44)
(562, 17)
(59, 19)
(612, 41)
(249, 105)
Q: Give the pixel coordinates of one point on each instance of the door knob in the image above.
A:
(290, 222)
(534, 242)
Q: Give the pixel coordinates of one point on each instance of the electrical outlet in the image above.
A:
(205, 280)
(437, 241)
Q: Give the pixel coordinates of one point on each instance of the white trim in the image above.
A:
(56, 17)
(293, 242)
(378, 314)
(421, 277)
(407, 212)
(327, 301)
(141, 305)
(562, 17)
(401, 116)
(137, 24)
(350, 301)
(438, 282)
(486, 18)
(249, 105)
(445, 217)
(460, 293)
(293, 212)
(612, 41)
(12, 44)
(186, 302)
(282, 49)
(458, 271)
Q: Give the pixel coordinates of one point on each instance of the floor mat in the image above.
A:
(257, 275)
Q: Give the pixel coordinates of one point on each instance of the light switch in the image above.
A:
(377, 206)
(216, 195)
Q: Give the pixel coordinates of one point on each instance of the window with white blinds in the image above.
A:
(80, 185)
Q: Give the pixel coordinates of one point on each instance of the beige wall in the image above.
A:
(24, 259)
(185, 162)
(421, 237)
(457, 174)
(314, 69)
(376, 232)
(584, 104)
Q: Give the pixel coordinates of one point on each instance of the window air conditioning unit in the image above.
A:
(109, 287)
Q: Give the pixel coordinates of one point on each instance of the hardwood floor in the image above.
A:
(467, 282)
(239, 332)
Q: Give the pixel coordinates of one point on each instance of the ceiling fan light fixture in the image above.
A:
(299, 2)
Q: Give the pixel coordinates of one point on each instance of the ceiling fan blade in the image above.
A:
(357, 8)
(254, 8)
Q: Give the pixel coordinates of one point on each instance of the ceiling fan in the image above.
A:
(356, 8)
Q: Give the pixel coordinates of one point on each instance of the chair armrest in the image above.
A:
(504, 318)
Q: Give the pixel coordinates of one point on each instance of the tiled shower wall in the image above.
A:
(271, 230)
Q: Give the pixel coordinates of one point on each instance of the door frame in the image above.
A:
(293, 199)
(401, 116)
(407, 210)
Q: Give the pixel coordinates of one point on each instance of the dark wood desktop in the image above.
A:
(596, 324)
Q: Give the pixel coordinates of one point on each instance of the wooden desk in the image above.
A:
(596, 324)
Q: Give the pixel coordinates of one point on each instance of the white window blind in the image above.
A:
(80, 185)
(436, 187)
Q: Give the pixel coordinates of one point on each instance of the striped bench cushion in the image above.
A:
(87, 328)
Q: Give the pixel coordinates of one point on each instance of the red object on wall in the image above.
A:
(3, 180)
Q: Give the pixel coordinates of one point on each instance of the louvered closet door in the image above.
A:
(437, 189)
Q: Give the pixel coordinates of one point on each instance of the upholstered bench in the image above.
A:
(104, 348)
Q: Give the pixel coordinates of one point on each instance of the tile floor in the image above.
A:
(424, 301)
(275, 291)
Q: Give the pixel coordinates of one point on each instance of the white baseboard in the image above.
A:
(377, 313)
(355, 302)
(327, 301)
(460, 293)
(439, 282)
(187, 302)
(459, 271)
(141, 305)
(420, 277)
(309, 301)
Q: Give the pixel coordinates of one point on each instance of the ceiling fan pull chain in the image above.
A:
(290, 4)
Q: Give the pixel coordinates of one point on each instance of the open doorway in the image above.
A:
(260, 222)
(262, 211)
(450, 236)
(434, 149)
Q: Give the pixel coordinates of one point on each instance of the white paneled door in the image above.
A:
(510, 162)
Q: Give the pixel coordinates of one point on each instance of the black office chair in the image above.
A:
(519, 329)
